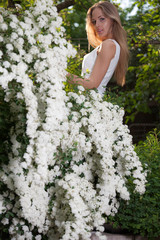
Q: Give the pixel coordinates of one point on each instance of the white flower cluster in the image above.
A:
(102, 161)
(78, 154)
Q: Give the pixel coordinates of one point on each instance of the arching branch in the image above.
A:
(65, 4)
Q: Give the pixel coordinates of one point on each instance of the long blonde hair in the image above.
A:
(119, 34)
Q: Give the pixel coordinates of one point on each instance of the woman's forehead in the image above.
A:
(97, 12)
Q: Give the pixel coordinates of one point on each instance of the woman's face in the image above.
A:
(102, 24)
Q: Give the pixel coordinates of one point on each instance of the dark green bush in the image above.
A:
(142, 214)
(5, 125)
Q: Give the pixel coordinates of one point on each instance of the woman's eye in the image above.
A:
(93, 22)
(102, 19)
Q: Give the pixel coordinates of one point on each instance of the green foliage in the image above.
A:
(143, 88)
(115, 96)
(142, 214)
(74, 23)
(5, 125)
(74, 20)
(74, 65)
(3, 3)
(11, 121)
(24, 3)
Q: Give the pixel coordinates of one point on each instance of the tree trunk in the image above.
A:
(11, 4)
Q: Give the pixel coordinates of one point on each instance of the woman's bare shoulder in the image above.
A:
(108, 43)
(108, 47)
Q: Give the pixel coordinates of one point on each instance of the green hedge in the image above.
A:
(142, 214)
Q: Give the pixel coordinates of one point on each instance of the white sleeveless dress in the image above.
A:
(89, 61)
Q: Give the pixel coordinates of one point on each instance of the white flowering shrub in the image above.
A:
(69, 158)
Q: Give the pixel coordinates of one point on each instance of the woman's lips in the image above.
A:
(99, 31)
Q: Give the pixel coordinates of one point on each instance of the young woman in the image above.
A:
(110, 56)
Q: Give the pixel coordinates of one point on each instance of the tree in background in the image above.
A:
(143, 88)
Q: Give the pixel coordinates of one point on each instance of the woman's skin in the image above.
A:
(105, 53)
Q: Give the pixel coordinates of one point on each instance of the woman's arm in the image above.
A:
(104, 57)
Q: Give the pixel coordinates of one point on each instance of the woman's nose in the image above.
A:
(97, 23)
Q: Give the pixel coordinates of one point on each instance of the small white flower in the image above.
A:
(25, 228)
(5, 221)
(14, 36)
(4, 26)
(1, 54)
(34, 50)
(69, 105)
(13, 25)
(19, 31)
(15, 57)
(24, 165)
(1, 18)
(14, 18)
(9, 46)
(6, 64)
(2, 207)
(38, 237)
(81, 88)
(20, 41)
(28, 58)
